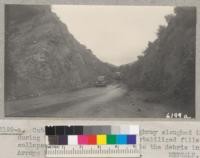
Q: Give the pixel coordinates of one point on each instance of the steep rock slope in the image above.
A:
(42, 56)
(168, 64)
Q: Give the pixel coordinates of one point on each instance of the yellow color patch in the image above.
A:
(101, 139)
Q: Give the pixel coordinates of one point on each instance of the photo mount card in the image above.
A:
(100, 61)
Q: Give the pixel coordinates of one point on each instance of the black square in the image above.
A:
(50, 130)
(77, 130)
(60, 130)
(68, 130)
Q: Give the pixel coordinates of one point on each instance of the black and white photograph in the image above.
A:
(100, 61)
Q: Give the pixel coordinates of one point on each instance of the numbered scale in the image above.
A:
(92, 151)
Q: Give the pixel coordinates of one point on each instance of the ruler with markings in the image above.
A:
(92, 151)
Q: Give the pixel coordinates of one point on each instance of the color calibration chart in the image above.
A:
(92, 141)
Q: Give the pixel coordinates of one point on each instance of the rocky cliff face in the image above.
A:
(168, 63)
(42, 56)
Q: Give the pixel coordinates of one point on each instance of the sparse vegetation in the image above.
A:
(43, 57)
(168, 63)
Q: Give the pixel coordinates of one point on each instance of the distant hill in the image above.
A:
(42, 56)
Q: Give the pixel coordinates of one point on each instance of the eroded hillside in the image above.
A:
(168, 63)
(42, 56)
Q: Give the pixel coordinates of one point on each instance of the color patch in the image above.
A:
(92, 139)
(68, 130)
(73, 140)
(121, 139)
(124, 129)
(134, 129)
(77, 130)
(96, 130)
(82, 139)
(101, 139)
(60, 130)
(50, 130)
(62, 140)
(131, 139)
(115, 130)
(53, 140)
(111, 139)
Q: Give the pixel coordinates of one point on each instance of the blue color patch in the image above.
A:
(131, 139)
(121, 139)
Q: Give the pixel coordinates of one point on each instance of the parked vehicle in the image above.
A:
(118, 75)
(101, 82)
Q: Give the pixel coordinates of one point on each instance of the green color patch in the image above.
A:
(111, 139)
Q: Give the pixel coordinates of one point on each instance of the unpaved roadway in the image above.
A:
(113, 101)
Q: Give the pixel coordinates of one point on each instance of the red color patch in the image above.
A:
(92, 139)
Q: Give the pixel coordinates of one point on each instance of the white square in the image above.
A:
(134, 129)
(47, 140)
(72, 140)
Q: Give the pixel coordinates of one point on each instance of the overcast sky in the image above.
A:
(115, 34)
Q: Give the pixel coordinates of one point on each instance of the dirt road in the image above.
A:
(111, 101)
